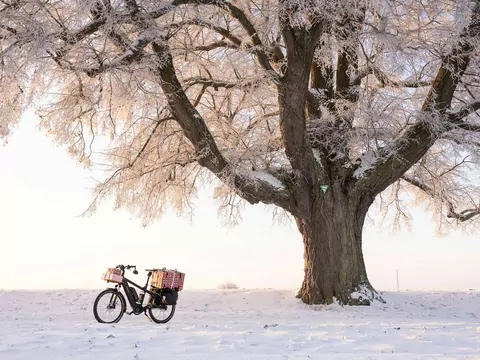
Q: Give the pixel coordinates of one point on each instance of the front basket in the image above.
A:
(113, 275)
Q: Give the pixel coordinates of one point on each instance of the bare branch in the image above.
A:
(396, 158)
(216, 84)
(456, 116)
(202, 23)
(8, 28)
(134, 52)
(132, 6)
(214, 46)
(258, 48)
(464, 215)
(150, 137)
(386, 81)
(238, 14)
(346, 87)
(469, 127)
(461, 216)
(209, 156)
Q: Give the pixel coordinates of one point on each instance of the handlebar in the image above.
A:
(128, 267)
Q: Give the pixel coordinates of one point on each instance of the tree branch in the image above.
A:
(396, 158)
(133, 53)
(386, 81)
(267, 188)
(322, 90)
(469, 127)
(350, 28)
(300, 46)
(209, 156)
(214, 46)
(8, 28)
(458, 140)
(132, 6)
(216, 84)
(456, 116)
(461, 216)
(166, 8)
(218, 29)
(258, 47)
(292, 98)
(150, 137)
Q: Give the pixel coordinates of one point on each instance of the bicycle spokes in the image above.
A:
(113, 300)
(109, 307)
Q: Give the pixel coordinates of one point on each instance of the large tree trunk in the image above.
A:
(332, 236)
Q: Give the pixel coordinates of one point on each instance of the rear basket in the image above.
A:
(168, 279)
(113, 275)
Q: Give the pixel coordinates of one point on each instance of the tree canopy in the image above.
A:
(178, 86)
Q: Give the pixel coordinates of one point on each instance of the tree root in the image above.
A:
(362, 295)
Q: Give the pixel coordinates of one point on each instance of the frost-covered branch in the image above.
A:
(258, 47)
(464, 215)
(461, 216)
(237, 13)
(298, 93)
(469, 127)
(208, 153)
(216, 84)
(205, 24)
(395, 159)
(214, 46)
(132, 54)
(386, 81)
(8, 28)
(293, 94)
(348, 33)
(457, 116)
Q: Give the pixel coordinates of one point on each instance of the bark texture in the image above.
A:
(332, 236)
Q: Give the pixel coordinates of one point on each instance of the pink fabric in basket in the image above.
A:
(113, 275)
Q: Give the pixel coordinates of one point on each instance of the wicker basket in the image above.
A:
(170, 279)
(113, 275)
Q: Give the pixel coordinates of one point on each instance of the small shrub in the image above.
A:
(228, 286)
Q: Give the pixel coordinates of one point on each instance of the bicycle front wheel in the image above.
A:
(161, 314)
(109, 306)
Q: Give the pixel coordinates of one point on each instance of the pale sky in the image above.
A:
(45, 245)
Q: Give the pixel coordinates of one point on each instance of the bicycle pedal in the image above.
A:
(129, 313)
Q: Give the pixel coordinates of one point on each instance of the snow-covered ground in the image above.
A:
(239, 324)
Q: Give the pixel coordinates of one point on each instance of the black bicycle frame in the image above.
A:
(126, 284)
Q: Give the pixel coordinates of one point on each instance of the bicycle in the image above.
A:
(162, 299)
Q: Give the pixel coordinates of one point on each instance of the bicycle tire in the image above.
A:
(123, 306)
(162, 321)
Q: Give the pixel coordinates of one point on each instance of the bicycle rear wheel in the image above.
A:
(109, 306)
(161, 314)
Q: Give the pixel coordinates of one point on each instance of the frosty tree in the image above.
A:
(313, 106)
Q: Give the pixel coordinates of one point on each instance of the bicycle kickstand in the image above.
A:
(148, 317)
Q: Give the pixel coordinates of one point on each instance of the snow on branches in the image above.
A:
(270, 97)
